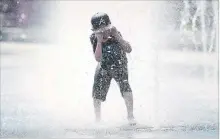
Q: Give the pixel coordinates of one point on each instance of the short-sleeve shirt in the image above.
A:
(113, 56)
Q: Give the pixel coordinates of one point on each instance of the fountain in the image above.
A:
(199, 28)
(198, 31)
(198, 24)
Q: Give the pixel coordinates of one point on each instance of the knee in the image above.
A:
(97, 101)
(98, 98)
(125, 88)
(127, 94)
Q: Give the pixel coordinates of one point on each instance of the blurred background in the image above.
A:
(47, 67)
(21, 19)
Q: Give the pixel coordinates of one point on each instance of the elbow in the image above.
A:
(98, 58)
(129, 49)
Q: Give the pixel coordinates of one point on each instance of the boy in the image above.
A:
(110, 52)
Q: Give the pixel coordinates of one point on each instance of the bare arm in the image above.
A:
(125, 45)
(98, 52)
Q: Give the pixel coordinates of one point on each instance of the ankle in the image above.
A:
(130, 117)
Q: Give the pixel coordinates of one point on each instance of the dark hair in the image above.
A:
(100, 19)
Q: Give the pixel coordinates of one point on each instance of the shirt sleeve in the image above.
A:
(119, 33)
(93, 41)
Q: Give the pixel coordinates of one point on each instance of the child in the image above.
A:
(110, 52)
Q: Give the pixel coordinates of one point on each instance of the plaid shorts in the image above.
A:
(102, 81)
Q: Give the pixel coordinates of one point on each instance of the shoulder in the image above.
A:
(93, 39)
(92, 36)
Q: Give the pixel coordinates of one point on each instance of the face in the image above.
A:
(106, 34)
(104, 30)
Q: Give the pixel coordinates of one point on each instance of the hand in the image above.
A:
(114, 31)
(99, 37)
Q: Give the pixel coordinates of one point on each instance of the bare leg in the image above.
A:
(128, 97)
(97, 108)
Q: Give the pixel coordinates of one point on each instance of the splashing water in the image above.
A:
(47, 89)
(199, 21)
